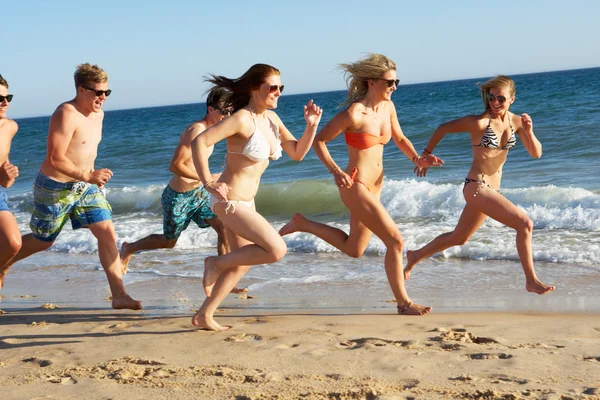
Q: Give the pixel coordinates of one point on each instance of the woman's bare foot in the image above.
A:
(293, 225)
(211, 274)
(125, 302)
(203, 322)
(125, 256)
(538, 287)
(410, 264)
(413, 309)
(237, 290)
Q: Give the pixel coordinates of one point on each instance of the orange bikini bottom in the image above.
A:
(370, 188)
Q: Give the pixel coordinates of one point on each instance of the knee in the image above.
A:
(106, 235)
(14, 245)
(459, 240)
(526, 225)
(355, 253)
(278, 250)
(396, 242)
(171, 243)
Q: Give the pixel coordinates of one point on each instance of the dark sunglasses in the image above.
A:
(273, 88)
(98, 92)
(224, 111)
(501, 99)
(390, 82)
(8, 98)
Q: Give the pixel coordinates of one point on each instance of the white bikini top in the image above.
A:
(257, 148)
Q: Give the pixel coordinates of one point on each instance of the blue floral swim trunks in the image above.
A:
(179, 209)
(55, 202)
(3, 201)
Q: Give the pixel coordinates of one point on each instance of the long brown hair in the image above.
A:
(358, 74)
(240, 89)
(501, 81)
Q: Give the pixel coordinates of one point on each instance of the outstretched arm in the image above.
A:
(297, 149)
(423, 161)
(525, 132)
(183, 152)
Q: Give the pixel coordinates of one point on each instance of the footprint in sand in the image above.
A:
(502, 378)
(376, 342)
(35, 360)
(490, 356)
(255, 320)
(460, 335)
(536, 346)
(244, 337)
(67, 380)
(593, 359)
(287, 346)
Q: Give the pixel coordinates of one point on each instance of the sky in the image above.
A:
(158, 52)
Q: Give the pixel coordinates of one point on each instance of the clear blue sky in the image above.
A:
(157, 52)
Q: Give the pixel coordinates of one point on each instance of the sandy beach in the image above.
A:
(102, 354)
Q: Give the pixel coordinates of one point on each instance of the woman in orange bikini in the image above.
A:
(369, 122)
(492, 136)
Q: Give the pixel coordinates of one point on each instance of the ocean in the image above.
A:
(560, 192)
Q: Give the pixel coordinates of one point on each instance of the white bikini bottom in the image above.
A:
(229, 204)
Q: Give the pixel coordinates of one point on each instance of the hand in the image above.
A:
(423, 163)
(527, 123)
(8, 174)
(218, 189)
(421, 171)
(342, 179)
(100, 177)
(312, 114)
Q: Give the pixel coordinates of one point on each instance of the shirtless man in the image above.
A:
(10, 236)
(68, 185)
(184, 200)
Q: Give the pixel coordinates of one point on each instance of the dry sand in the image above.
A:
(74, 354)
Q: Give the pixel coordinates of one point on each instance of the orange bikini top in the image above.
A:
(362, 141)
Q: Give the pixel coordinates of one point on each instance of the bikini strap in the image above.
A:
(489, 120)
(252, 115)
(512, 131)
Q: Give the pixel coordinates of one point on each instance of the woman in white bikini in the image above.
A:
(492, 136)
(254, 135)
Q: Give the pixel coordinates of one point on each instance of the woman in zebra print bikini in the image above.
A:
(492, 136)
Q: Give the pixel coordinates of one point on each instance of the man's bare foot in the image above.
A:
(125, 302)
(538, 287)
(413, 309)
(203, 322)
(211, 274)
(125, 257)
(237, 290)
(293, 225)
(410, 264)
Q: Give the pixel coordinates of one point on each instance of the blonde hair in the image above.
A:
(501, 81)
(88, 73)
(357, 74)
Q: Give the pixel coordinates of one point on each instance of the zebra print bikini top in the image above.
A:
(489, 140)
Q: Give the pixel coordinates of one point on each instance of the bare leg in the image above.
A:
(109, 259)
(502, 210)
(151, 242)
(30, 245)
(368, 209)
(10, 242)
(353, 244)
(265, 247)
(204, 317)
(470, 220)
(223, 246)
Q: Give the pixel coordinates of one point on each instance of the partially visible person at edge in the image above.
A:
(68, 185)
(493, 133)
(10, 236)
(254, 135)
(369, 122)
(184, 200)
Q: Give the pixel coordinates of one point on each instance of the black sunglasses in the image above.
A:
(390, 82)
(8, 98)
(224, 111)
(273, 88)
(491, 97)
(98, 92)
